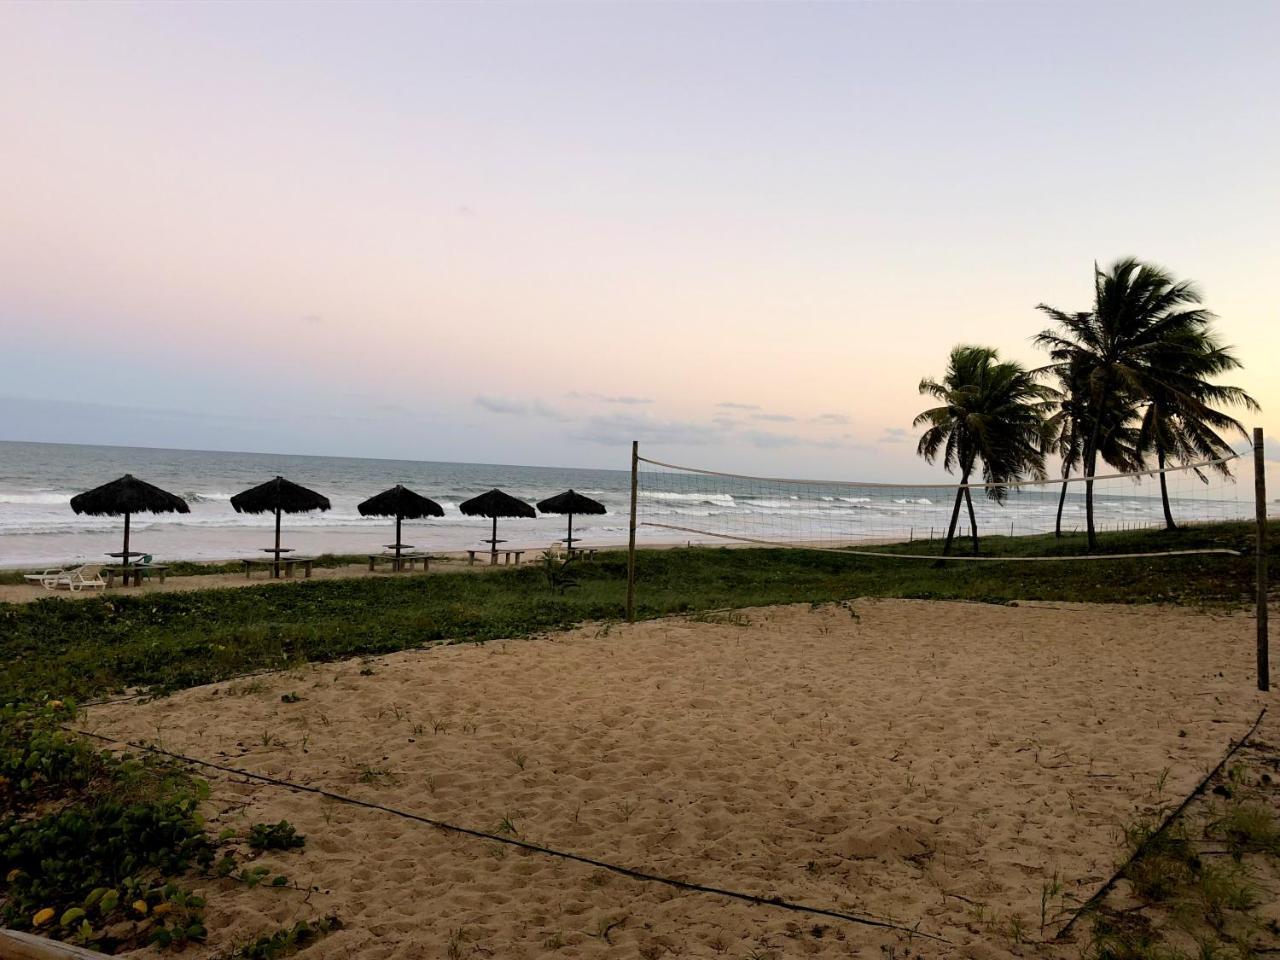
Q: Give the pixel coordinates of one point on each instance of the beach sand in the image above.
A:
(934, 763)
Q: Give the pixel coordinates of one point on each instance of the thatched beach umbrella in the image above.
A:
(403, 504)
(495, 504)
(278, 496)
(571, 502)
(127, 496)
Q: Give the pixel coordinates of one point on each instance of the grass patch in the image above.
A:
(1199, 884)
(169, 641)
(98, 848)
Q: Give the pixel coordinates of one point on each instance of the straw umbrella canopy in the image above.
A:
(571, 502)
(495, 504)
(127, 496)
(278, 496)
(403, 504)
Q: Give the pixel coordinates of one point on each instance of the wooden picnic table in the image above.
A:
(403, 561)
(133, 571)
(493, 555)
(274, 565)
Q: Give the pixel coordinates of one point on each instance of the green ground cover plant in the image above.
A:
(102, 849)
(168, 641)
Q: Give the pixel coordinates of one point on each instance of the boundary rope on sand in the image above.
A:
(778, 902)
(1158, 832)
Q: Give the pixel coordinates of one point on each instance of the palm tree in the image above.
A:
(990, 410)
(1182, 425)
(1137, 346)
(1118, 443)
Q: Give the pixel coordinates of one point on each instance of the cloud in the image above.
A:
(621, 428)
(312, 320)
(895, 435)
(773, 417)
(1270, 449)
(537, 408)
(729, 405)
(769, 440)
(838, 419)
(548, 412)
(498, 405)
(604, 398)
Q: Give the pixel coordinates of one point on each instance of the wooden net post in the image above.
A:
(631, 536)
(1260, 508)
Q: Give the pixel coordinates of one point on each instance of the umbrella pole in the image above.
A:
(397, 543)
(125, 558)
(493, 544)
(275, 570)
(569, 541)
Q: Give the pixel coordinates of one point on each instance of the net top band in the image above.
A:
(945, 486)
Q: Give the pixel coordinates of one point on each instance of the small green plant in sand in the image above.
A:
(368, 773)
(456, 945)
(275, 836)
(507, 826)
(284, 942)
(560, 574)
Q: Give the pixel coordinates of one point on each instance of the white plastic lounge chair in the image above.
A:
(49, 578)
(82, 578)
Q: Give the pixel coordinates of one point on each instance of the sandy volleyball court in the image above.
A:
(933, 763)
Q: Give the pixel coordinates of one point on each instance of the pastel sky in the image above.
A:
(531, 232)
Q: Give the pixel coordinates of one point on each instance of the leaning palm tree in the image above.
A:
(1132, 348)
(1181, 424)
(990, 411)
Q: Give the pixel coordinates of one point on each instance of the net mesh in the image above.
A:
(680, 504)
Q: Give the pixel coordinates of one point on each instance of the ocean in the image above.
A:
(38, 527)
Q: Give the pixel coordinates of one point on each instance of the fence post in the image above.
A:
(631, 536)
(1260, 509)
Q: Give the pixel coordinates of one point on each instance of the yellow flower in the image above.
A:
(162, 908)
(140, 906)
(12, 875)
(55, 704)
(42, 917)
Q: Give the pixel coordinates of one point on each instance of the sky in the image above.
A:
(533, 232)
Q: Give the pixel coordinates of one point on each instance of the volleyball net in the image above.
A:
(681, 504)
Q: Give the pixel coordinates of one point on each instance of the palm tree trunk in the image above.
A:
(1062, 501)
(1090, 468)
(973, 521)
(1164, 489)
(955, 514)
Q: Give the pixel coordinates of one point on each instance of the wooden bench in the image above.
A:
(134, 572)
(493, 556)
(582, 553)
(288, 563)
(403, 562)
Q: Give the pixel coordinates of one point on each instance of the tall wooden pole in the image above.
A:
(275, 570)
(1260, 508)
(631, 536)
